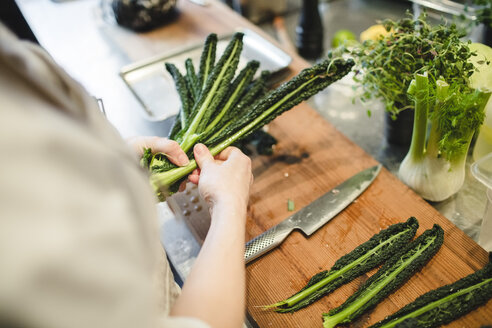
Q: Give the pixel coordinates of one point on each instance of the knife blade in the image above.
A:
(313, 216)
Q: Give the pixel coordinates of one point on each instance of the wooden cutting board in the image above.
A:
(311, 158)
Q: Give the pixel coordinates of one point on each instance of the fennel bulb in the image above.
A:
(433, 178)
(435, 164)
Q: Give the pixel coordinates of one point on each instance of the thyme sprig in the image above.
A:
(386, 66)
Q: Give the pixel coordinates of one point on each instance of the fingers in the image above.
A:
(172, 150)
(231, 157)
(138, 144)
(182, 186)
(168, 147)
(226, 153)
(236, 158)
(202, 155)
(194, 177)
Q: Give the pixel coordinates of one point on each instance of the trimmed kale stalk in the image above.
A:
(362, 259)
(445, 304)
(165, 175)
(394, 273)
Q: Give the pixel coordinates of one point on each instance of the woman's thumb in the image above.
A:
(202, 155)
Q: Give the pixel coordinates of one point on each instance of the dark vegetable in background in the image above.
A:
(261, 140)
(143, 15)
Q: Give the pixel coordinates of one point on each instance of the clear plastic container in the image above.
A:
(482, 171)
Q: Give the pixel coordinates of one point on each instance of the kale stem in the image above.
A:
(219, 131)
(187, 143)
(167, 178)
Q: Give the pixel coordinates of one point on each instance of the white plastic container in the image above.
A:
(482, 171)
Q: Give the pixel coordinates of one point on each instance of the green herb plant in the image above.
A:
(385, 67)
(393, 68)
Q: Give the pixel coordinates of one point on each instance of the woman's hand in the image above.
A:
(224, 182)
(168, 147)
(225, 178)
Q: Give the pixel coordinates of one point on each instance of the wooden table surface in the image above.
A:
(311, 158)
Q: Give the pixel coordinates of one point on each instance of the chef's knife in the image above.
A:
(313, 216)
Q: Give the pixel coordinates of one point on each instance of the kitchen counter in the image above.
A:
(94, 50)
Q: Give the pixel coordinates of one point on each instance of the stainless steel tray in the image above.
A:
(448, 7)
(154, 88)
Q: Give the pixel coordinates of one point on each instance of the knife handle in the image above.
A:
(267, 240)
